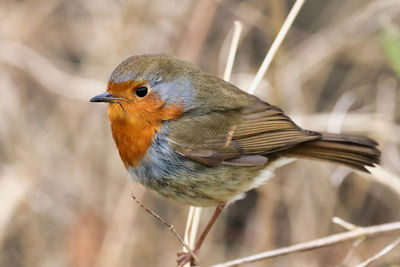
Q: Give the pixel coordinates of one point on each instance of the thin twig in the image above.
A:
(189, 229)
(232, 50)
(351, 251)
(317, 243)
(344, 224)
(192, 225)
(351, 227)
(170, 227)
(276, 44)
(380, 253)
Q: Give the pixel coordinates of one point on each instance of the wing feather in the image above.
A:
(242, 137)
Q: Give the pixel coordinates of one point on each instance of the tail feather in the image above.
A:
(353, 151)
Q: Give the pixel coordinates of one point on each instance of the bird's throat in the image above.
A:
(133, 138)
(133, 132)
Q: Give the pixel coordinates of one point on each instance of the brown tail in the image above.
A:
(353, 151)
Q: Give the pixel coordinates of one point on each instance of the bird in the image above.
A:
(198, 140)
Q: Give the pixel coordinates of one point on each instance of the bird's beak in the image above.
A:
(106, 97)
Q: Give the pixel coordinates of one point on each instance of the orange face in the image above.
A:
(136, 99)
(136, 113)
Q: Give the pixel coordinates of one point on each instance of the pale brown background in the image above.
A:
(64, 193)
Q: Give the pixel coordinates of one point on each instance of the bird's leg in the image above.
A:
(210, 224)
(184, 257)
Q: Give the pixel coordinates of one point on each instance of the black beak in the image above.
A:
(106, 97)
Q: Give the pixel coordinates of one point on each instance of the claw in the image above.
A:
(183, 258)
(181, 253)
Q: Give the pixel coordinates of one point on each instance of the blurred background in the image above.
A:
(64, 192)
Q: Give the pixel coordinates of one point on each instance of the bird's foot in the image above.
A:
(183, 258)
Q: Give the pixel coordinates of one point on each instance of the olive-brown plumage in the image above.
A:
(196, 139)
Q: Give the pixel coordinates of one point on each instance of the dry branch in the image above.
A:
(276, 44)
(170, 227)
(380, 254)
(318, 243)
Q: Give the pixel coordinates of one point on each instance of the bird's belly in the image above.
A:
(199, 185)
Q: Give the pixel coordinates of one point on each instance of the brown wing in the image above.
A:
(244, 137)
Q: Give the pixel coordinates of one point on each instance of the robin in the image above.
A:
(196, 139)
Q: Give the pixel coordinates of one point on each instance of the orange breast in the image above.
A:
(132, 141)
(133, 128)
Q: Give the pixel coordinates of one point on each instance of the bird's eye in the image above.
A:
(141, 91)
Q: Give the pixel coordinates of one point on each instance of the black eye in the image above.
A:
(141, 91)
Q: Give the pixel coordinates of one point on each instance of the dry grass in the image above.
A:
(64, 191)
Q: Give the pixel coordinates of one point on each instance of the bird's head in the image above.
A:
(149, 88)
